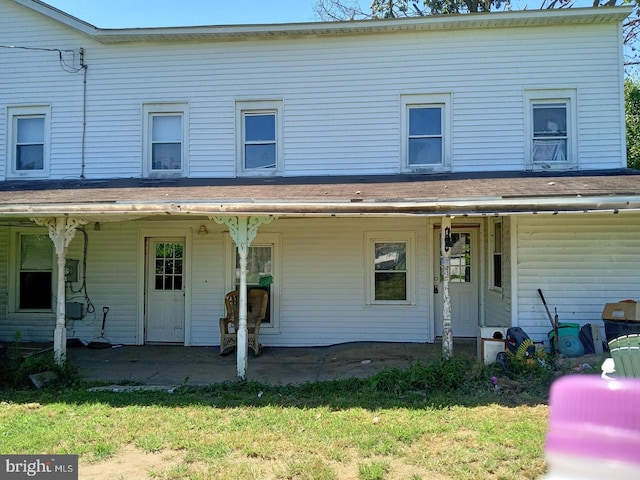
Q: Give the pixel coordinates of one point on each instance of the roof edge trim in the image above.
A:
(435, 22)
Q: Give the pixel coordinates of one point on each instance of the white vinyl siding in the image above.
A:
(324, 273)
(341, 95)
(580, 262)
(321, 296)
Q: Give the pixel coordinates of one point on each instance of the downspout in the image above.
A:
(84, 113)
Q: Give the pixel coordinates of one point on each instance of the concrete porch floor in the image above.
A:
(172, 365)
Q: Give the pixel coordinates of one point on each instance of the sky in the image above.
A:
(175, 13)
(162, 13)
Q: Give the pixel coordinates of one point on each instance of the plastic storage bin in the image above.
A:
(617, 328)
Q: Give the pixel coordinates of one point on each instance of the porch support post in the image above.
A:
(61, 232)
(445, 245)
(243, 230)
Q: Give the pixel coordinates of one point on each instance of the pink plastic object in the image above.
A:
(595, 418)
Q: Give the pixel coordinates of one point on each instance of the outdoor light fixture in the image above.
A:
(203, 230)
(447, 239)
(96, 226)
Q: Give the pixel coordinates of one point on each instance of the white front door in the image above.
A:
(165, 290)
(464, 284)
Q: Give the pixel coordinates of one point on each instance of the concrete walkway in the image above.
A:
(196, 366)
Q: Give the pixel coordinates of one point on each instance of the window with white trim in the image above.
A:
(263, 272)
(496, 241)
(29, 141)
(425, 132)
(165, 146)
(35, 273)
(390, 268)
(259, 137)
(551, 137)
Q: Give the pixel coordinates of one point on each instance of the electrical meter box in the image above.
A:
(73, 310)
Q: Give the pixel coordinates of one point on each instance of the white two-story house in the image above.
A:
(139, 167)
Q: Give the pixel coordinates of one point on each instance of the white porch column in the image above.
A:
(61, 232)
(243, 231)
(445, 245)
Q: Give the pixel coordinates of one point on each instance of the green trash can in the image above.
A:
(569, 342)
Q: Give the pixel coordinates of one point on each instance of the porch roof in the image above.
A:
(412, 194)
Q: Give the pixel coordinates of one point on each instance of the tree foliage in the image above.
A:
(632, 120)
(351, 10)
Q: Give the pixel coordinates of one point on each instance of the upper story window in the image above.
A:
(29, 141)
(425, 132)
(259, 131)
(552, 139)
(165, 149)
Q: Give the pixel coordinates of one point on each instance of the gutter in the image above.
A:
(503, 19)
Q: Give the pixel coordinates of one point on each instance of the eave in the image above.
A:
(396, 195)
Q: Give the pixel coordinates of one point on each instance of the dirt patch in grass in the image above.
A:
(131, 462)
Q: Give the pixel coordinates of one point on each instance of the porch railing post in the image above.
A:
(243, 230)
(242, 346)
(445, 245)
(61, 232)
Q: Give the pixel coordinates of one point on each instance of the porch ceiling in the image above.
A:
(452, 194)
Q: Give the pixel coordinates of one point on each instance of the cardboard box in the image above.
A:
(621, 311)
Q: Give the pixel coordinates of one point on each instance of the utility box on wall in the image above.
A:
(73, 310)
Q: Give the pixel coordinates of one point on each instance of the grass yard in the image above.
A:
(442, 421)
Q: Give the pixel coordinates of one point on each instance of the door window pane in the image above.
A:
(460, 261)
(169, 272)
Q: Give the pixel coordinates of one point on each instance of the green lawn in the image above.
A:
(442, 421)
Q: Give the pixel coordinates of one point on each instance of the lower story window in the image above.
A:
(35, 274)
(497, 255)
(259, 272)
(390, 269)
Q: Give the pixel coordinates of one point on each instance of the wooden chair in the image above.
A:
(625, 357)
(257, 303)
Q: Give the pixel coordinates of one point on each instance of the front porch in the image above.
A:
(173, 365)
